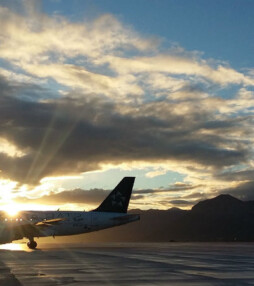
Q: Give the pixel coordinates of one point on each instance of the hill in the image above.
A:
(223, 218)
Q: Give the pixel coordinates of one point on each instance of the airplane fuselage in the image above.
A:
(30, 223)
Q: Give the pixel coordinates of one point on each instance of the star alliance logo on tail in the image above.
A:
(118, 199)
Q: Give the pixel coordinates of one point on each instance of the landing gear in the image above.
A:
(32, 244)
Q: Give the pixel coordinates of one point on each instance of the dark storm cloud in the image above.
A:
(230, 125)
(77, 133)
(236, 176)
(137, 197)
(220, 124)
(196, 195)
(93, 196)
(78, 196)
(181, 202)
(29, 91)
(175, 188)
(244, 191)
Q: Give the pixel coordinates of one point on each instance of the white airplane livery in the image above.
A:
(30, 224)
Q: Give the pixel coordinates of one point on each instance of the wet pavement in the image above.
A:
(191, 264)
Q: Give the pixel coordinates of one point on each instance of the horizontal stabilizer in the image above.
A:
(126, 218)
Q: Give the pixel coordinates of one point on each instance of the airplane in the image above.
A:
(30, 224)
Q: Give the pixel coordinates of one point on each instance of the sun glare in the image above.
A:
(11, 209)
(15, 247)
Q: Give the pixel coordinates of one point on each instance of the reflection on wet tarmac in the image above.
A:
(15, 247)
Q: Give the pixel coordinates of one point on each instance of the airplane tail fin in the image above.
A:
(118, 200)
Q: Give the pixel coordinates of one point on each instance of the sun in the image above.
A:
(11, 209)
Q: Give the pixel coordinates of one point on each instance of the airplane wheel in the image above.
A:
(32, 244)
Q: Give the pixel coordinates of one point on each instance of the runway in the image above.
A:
(191, 264)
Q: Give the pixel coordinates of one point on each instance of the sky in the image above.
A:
(92, 91)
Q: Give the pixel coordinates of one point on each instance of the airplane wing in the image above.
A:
(50, 222)
(30, 229)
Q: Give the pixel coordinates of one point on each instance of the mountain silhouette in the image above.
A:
(223, 218)
(223, 204)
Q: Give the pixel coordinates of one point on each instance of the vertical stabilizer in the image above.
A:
(118, 200)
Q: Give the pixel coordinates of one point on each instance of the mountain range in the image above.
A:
(223, 218)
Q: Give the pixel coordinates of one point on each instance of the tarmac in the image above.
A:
(175, 264)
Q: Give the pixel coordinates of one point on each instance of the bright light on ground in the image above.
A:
(15, 247)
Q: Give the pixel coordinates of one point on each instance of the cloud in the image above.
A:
(78, 196)
(243, 191)
(79, 96)
(196, 195)
(181, 202)
(106, 57)
(156, 173)
(246, 175)
(78, 77)
(41, 38)
(95, 196)
(179, 65)
(66, 136)
(11, 150)
(177, 187)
